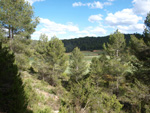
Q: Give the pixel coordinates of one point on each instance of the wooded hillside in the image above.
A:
(91, 43)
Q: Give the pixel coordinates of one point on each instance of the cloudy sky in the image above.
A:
(67, 19)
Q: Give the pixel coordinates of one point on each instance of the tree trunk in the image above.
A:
(12, 33)
(11, 37)
(77, 68)
(117, 54)
(117, 91)
(9, 32)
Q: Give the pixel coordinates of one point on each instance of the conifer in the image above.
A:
(78, 66)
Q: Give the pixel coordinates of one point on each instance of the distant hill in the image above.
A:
(91, 43)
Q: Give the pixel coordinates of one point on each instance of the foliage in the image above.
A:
(17, 16)
(21, 48)
(77, 65)
(84, 97)
(116, 72)
(51, 62)
(12, 96)
(115, 64)
(40, 100)
(96, 71)
(105, 103)
(136, 97)
(56, 59)
(117, 81)
(142, 52)
(147, 29)
(42, 45)
(115, 45)
(91, 43)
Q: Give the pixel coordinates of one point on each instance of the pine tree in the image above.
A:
(116, 45)
(96, 71)
(77, 65)
(104, 103)
(17, 16)
(141, 51)
(56, 59)
(40, 64)
(147, 29)
(86, 98)
(12, 95)
(115, 65)
(137, 45)
(42, 45)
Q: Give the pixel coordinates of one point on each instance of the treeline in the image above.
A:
(91, 43)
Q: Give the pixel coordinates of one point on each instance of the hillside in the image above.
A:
(41, 96)
(91, 43)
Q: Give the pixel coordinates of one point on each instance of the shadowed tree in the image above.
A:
(12, 95)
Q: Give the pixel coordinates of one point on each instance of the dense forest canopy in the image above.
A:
(91, 43)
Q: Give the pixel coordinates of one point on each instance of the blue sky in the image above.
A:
(68, 19)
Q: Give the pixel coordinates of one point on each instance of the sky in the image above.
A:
(67, 19)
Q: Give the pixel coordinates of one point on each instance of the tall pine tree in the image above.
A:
(17, 16)
(12, 95)
(56, 59)
(147, 29)
(78, 66)
(115, 65)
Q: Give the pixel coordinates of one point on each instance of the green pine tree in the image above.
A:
(147, 29)
(141, 51)
(96, 71)
(56, 59)
(115, 64)
(116, 45)
(12, 95)
(17, 16)
(78, 66)
(42, 45)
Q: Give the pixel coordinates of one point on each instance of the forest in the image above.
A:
(54, 76)
(92, 43)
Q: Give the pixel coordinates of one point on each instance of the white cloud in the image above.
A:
(76, 4)
(99, 30)
(124, 17)
(95, 18)
(130, 20)
(126, 21)
(32, 1)
(94, 5)
(131, 28)
(63, 31)
(141, 6)
(83, 32)
(51, 28)
(107, 3)
(110, 0)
